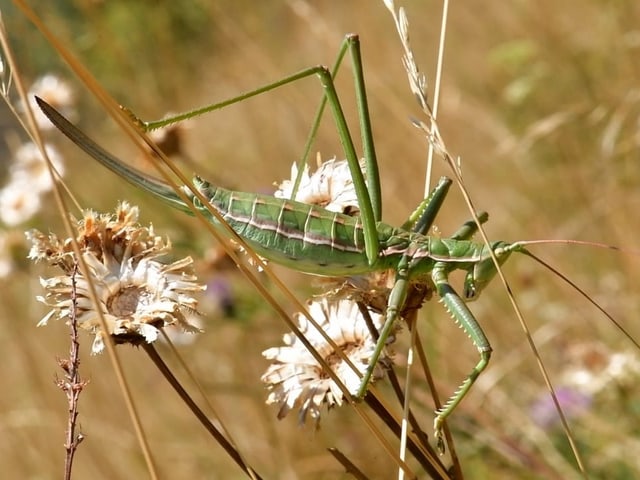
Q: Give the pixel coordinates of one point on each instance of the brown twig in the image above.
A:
(228, 447)
(72, 385)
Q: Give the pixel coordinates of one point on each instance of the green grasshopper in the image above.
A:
(312, 240)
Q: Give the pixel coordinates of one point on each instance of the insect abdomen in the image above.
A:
(294, 234)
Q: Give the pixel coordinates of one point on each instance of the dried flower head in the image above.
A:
(137, 292)
(330, 187)
(373, 290)
(296, 379)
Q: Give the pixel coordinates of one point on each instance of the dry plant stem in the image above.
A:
(457, 469)
(423, 451)
(72, 385)
(200, 415)
(350, 468)
(198, 385)
(429, 461)
(397, 389)
(415, 426)
(437, 85)
(205, 398)
(516, 308)
(407, 389)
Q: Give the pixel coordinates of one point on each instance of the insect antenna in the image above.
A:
(577, 288)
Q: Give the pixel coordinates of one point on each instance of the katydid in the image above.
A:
(310, 239)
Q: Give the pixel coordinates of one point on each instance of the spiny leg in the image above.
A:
(395, 302)
(419, 221)
(463, 316)
(422, 218)
(424, 215)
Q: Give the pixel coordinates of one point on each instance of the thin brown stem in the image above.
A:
(197, 411)
(72, 384)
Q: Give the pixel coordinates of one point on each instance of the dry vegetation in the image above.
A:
(541, 100)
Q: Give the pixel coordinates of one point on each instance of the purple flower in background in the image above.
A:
(573, 403)
(219, 291)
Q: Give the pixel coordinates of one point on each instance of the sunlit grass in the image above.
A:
(538, 100)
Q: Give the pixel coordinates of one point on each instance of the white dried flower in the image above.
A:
(330, 187)
(137, 292)
(296, 379)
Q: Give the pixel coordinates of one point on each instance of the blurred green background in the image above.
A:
(541, 101)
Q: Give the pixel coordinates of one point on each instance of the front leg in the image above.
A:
(463, 317)
(396, 300)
